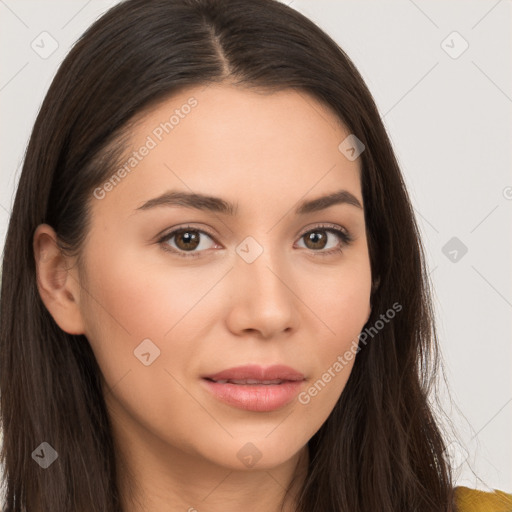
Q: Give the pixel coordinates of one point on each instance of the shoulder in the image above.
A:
(473, 500)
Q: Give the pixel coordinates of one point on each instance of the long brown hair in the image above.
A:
(381, 448)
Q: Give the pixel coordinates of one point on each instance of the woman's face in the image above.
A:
(259, 278)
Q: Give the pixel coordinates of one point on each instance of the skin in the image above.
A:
(265, 152)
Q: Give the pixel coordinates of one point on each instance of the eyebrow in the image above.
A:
(218, 205)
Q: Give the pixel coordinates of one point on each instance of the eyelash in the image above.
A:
(345, 236)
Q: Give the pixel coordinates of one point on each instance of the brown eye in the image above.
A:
(187, 240)
(316, 239)
(319, 240)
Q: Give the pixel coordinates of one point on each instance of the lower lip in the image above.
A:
(254, 397)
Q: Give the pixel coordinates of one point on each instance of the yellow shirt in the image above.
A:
(473, 500)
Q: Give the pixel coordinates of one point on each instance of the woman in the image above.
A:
(214, 294)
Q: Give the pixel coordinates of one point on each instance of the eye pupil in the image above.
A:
(318, 238)
(190, 239)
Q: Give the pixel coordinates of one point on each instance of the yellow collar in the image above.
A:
(474, 500)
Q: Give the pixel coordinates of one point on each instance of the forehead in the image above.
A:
(208, 139)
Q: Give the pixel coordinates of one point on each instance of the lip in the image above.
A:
(255, 395)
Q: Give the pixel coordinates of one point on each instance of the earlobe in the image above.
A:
(58, 288)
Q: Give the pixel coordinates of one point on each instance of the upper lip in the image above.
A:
(258, 373)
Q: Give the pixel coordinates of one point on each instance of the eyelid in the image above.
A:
(326, 226)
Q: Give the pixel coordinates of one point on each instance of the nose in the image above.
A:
(264, 298)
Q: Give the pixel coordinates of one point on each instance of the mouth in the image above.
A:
(254, 388)
(249, 382)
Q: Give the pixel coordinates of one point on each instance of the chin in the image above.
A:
(253, 453)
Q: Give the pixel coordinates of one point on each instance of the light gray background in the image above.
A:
(450, 123)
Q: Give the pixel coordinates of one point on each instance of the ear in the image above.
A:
(57, 282)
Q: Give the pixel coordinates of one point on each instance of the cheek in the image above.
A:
(131, 299)
(341, 303)
(340, 298)
(130, 302)
(139, 296)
